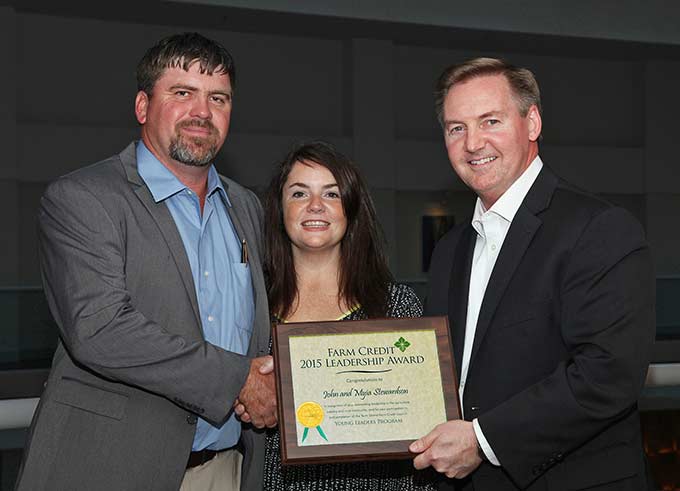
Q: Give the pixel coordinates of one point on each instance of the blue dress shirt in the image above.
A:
(223, 284)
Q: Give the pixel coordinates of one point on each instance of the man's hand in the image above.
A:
(256, 403)
(450, 448)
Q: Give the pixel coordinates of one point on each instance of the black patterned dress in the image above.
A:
(355, 476)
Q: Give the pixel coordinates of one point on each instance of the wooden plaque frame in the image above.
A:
(291, 452)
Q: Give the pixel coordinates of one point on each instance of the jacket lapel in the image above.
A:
(521, 232)
(459, 287)
(161, 215)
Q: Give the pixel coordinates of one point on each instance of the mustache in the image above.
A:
(201, 123)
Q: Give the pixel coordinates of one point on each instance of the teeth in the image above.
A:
(314, 223)
(482, 161)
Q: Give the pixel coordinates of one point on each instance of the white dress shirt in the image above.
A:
(492, 226)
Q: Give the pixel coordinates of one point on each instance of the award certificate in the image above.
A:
(362, 390)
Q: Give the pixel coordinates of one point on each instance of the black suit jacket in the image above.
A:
(562, 342)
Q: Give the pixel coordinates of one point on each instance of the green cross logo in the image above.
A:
(402, 344)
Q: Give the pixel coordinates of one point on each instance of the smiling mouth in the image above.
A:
(197, 127)
(315, 224)
(196, 130)
(482, 161)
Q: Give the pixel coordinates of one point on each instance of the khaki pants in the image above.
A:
(222, 473)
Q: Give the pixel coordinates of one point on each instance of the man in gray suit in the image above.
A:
(151, 267)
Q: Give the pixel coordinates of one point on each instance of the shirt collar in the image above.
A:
(507, 205)
(162, 183)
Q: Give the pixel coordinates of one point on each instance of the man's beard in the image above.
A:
(194, 151)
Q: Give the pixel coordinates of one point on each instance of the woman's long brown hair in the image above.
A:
(364, 275)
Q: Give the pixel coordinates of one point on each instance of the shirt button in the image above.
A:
(210, 318)
(493, 247)
(206, 273)
(192, 419)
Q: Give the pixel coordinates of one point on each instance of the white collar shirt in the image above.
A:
(492, 226)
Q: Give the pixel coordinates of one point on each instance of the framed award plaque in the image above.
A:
(362, 390)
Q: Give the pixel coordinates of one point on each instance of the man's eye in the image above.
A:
(492, 122)
(220, 99)
(456, 129)
(182, 93)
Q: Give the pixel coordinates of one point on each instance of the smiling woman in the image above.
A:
(324, 241)
(325, 261)
(312, 210)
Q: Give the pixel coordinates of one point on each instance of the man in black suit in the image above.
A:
(549, 293)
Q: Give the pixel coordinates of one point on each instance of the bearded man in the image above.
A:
(151, 267)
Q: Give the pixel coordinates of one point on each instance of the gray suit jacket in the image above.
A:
(132, 371)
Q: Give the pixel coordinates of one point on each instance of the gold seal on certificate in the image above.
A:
(362, 390)
(310, 415)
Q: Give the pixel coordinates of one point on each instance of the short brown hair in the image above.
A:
(522, 82)
(182, 51)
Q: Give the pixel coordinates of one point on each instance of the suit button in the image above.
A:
(559, 457)
(536, 470)
(191, 419)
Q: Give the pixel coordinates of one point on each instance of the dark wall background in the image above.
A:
(361, 77)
